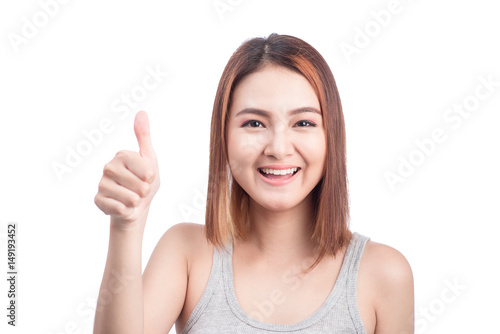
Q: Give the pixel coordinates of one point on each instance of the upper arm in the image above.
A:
(165, 280)
(394, 292)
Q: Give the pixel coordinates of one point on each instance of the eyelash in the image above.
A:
(311, 124)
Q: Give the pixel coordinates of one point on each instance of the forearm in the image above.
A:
(120, 307)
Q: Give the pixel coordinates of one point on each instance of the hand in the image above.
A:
(130, 180)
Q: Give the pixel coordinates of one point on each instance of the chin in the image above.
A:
(278, 206)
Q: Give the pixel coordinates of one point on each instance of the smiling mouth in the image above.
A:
(275, 174)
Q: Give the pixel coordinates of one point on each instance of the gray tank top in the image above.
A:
(218, 310)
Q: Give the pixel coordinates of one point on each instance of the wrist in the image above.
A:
(134, 227)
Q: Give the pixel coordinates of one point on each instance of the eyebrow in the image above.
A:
(266, 114)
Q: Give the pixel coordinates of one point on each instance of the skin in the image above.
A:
(178, 270)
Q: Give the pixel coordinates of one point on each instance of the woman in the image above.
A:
(275, 253)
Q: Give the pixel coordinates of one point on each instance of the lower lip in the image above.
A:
(278, 182)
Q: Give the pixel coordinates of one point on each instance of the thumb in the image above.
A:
(141, 129)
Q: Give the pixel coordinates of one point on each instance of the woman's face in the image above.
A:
(275, 127)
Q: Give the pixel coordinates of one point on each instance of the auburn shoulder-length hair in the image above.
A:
(227, 203)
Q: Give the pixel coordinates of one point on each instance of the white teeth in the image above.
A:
(279, 171)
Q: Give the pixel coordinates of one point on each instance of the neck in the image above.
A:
(281, 235)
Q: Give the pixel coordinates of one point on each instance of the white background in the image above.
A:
(395, 90)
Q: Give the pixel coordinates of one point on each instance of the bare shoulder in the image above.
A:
(389, 277)
(184, 235)
(189, 240)
(165, 278)
(184, 231)
(193, 241)
(386, 265)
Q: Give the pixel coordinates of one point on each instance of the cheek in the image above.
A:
(315, 148)
(249, 143)
(243, 143)
(240, 152)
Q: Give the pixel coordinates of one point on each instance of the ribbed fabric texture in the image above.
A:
(218, 310)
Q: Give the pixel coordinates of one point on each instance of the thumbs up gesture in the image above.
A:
(130, 181)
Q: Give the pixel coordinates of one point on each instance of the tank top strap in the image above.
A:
(354, 255)
(213, 281)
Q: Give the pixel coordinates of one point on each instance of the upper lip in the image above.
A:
(278, 167)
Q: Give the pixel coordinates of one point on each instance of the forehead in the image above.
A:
(275, 89)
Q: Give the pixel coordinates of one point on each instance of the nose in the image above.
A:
(279, 144)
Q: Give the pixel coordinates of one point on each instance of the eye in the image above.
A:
(252, 124)
(304, 123)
